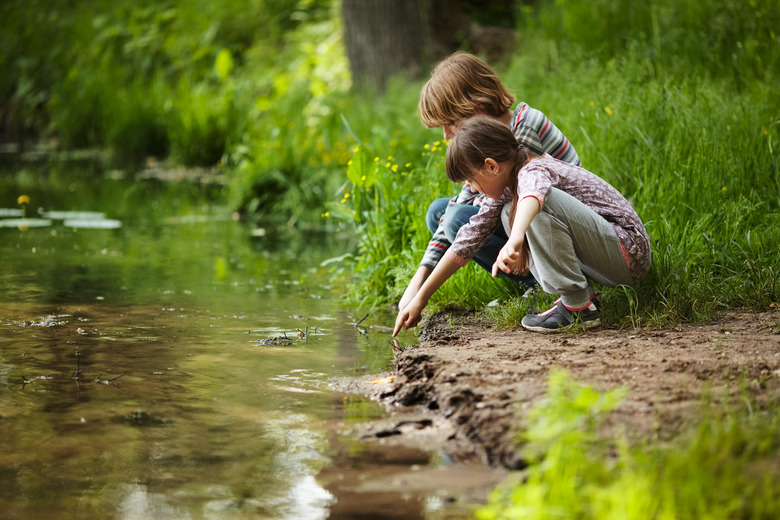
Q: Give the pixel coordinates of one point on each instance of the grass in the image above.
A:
(723, 469)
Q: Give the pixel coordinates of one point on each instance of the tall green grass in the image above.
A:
(723, 469)
(256, 88)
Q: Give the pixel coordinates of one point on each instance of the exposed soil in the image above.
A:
(465, 389)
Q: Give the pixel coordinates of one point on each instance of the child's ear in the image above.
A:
(492, 166)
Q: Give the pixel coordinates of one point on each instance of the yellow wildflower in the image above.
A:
(394, 168)
(23, 199)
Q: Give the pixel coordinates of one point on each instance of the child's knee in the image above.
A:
(435, 212)
(455, 218)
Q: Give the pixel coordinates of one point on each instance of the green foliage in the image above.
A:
(143, 79)
(384, 206)
(719, 470)
(727, 38)
(201, 121)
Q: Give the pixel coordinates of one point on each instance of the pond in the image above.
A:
(174, 361)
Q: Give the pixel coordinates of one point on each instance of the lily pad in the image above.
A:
(24, 222)
(74, 215)
(93, 223)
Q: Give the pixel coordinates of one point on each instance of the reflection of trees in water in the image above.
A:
(188, 413)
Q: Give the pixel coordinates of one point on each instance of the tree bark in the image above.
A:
(384, 38)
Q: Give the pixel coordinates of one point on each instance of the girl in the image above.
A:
(565, 224)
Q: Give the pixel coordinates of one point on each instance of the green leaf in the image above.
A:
(362, 171)
(224, 64)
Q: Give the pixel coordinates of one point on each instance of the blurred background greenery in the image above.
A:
(673, 102)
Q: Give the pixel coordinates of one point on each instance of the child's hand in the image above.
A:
(505, 261)
(511, 259)
(408, 317)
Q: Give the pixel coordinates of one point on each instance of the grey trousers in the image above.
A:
(570, 245)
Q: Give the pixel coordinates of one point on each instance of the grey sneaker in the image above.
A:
(559, 318)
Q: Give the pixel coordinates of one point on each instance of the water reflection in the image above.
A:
(136, 375)
(164, 412)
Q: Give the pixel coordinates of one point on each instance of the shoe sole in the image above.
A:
(545, 330)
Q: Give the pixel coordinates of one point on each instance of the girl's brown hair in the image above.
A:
(479, 138)
(461, 86)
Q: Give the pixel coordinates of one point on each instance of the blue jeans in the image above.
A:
(454, 218)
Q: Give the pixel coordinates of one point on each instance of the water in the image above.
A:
(175, 363)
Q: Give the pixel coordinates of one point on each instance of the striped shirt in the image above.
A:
(538, 135)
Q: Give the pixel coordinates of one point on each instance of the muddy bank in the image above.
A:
(465, 389)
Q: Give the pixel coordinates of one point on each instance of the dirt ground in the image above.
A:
(464, 390)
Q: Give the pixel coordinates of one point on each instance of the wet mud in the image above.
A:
(465, 390)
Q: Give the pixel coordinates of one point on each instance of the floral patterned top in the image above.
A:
(536, 179)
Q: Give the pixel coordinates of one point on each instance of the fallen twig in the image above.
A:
(78, 366)
(362, 320)
(108, 381)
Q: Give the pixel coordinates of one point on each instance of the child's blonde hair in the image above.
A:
(461, 86)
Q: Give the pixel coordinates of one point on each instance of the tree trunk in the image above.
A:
(383, 38)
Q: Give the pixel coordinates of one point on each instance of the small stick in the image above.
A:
(78, 366)
(362, 319)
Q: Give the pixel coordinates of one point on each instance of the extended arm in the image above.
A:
(410, 315)
(422, 274)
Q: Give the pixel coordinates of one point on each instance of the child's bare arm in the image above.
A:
(512, 255)
(410, 315)
(414, 285)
